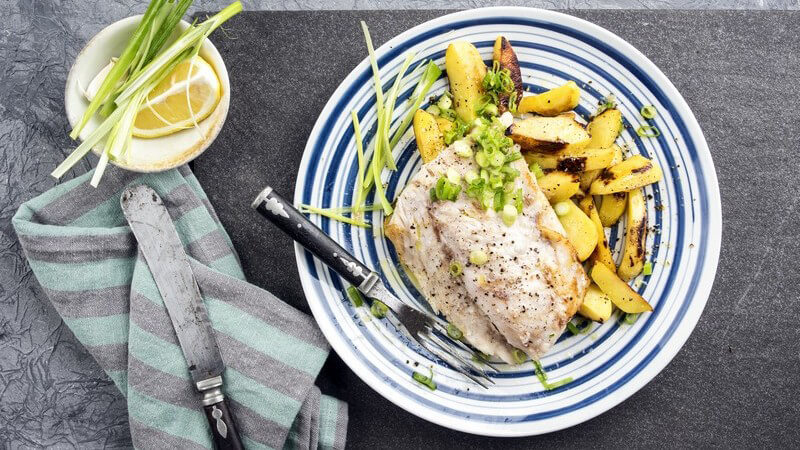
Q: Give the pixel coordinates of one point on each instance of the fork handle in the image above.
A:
(282, 214)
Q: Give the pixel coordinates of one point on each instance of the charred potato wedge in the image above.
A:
(552, 102)
(573, 161)
(465, 70)
(618, 291)
(605, 128)
(633, 173)
(602, 253)
(635, 237)
(504, 54)
(596, 305)
(558, 186)
(550, 134)
(588, 177)
(580, 230)
(429, 138)
(611, 208)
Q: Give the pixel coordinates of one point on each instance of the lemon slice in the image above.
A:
(180, 101)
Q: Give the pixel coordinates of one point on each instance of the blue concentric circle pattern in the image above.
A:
(608, 362)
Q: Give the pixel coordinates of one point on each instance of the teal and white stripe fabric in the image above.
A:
(85, 257)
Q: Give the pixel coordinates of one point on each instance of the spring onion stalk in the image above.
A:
(332, 215)
(389, 111)
(359, 191)
(347, 209)
(431, 74)
(120, 68)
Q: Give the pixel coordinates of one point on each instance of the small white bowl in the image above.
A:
(145, 155)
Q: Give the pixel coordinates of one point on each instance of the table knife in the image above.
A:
(162, 249)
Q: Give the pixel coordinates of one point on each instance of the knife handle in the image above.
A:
(223, 429)
(282, 214)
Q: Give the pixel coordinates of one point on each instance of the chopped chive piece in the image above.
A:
(536, 170)
(423, 380)
(648, 131)
(542, 376)
(378, 309)
(648, 111)
(573, 329)
(456, 269)
(630, 319)
(355, 296)
(454, 332)
(648, 268)
(478, 257)
(519, 356)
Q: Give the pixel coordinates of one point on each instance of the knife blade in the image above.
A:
(163, 251)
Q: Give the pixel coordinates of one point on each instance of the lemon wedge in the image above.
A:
(180, 101)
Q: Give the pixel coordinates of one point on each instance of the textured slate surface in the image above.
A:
(734, 382)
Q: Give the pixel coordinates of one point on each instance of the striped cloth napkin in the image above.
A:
(85, 257)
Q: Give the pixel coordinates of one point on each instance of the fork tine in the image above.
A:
(467, 363)
(466, 348)
(449, 359)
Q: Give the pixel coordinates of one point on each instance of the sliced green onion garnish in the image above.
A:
(445, 190)
(509, 214)
(378, 309)
(630, 319)
(454, 332)
(497, 159)
(453, 176)
(434, 110)
(648, 268)
(519, 356)
(470, 176)
(561, 208)
(478, 257)
(355, 296)
(648, 112)
(536, 170)
(648, 131)
(425, 381)
(444, 102)
(456, 269)
(572, 328)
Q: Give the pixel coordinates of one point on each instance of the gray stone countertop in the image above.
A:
(739, 365)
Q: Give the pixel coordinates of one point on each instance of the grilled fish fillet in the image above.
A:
(527, 291)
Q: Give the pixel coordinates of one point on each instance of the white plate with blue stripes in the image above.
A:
(610, 361)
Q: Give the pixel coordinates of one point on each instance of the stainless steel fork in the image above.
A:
(424, 328)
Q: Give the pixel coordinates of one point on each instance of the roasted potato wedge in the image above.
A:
(580, 229)
(550, 134)
(573, 161)
(602, 252)
(588, 177)
(558, 186)
(465, 70)
(504, 54)
(596, 305)
(444, 124)
(633, 173)
(611, 208)
(635, 237)
(429, 139)
(623, 296)
(605, 128)
(552, 102)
